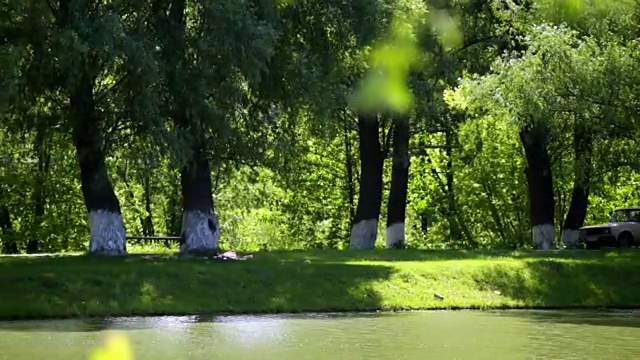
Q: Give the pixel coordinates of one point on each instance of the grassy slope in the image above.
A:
(328, 281)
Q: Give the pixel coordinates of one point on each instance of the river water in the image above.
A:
(511, 334)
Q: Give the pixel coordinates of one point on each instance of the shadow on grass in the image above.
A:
(610, 255)
(554, 283)
(83, 286)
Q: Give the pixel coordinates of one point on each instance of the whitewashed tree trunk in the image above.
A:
(107, 233)
(364, 234)
(395, 235)
(397, 202)
(365, 226)
(200, 232)
(570, 237)
(200, 229)
(543, 236)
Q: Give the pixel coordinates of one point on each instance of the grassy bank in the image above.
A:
(317, 281)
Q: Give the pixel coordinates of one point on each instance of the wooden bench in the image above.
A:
(152, 239)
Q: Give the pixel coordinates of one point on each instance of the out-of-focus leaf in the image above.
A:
(385, 86)
(115, 347)
(446, 28)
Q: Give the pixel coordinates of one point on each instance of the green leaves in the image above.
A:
(384, 87)
(574, 11)
(262, 78)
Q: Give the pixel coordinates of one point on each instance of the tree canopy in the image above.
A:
(264, 124)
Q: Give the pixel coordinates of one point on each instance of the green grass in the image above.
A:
(317, 281)
(153, 248)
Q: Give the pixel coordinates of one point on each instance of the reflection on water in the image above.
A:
(418, 335)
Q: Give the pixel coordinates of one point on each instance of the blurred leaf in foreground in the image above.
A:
(385, 86)
(115, 347)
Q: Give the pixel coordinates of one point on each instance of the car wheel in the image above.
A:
(625, 240)
(592, 246)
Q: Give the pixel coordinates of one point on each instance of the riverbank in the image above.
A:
(277, 282)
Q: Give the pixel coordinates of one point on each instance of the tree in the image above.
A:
(83, 59)
(399, 184)
(372, 154)
(558, 85)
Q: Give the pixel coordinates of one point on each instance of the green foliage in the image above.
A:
(561, 81)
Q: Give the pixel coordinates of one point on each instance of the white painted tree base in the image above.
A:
(395, 235)
(543, 236)
(570, 237)
(107, 231)
(363, 234)
(201, 232)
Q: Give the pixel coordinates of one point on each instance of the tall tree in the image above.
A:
(397, 207)
(200, 230)
(7, 234)
(39, 194)
(534, 140)
(105, 217)
(365, 228)
(209, 96)
(583, 147)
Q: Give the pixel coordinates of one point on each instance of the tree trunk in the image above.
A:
(105, 218)
(9, 245)
(582, 142)
(200, 230)
(144, 217)
(173, 211)
(493, 209)
(107, 233)
(424, 222)
(351, 191)
(396, 209)
(540, 186)
(365, 228)
(454, 225)
(457, 228)
(147, 221)
(39, 193)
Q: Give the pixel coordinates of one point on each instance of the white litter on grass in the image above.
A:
(232, 255)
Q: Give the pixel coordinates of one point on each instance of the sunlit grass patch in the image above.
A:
(321, 280)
